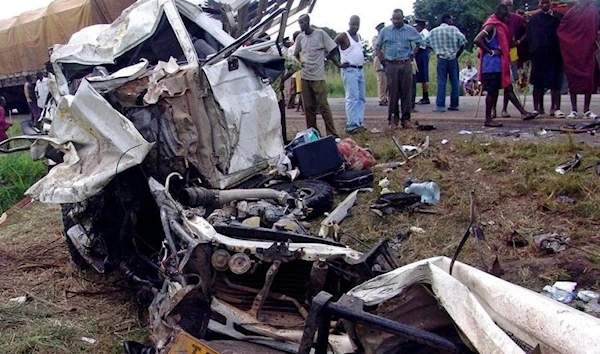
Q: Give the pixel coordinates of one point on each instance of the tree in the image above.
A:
(469, 15)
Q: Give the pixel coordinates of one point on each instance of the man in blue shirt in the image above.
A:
(396, 47)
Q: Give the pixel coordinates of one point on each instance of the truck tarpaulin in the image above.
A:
(25, 40)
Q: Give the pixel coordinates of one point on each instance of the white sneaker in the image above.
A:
(590, 115)
(573, 115)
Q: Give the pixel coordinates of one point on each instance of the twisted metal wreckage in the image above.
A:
(156, 117)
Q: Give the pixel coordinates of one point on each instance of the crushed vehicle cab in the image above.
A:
(156, 117)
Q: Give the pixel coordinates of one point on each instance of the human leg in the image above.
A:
(361, 97)
(405, 78)
(442, 77)
(310, 104)
(454, 83)
(350, 79)
(394, 94)
(320, 90)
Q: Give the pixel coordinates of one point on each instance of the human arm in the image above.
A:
(332, 49)
(343, 42)
(416, 38)
(462, 42)
(291, 66)
(480, 40)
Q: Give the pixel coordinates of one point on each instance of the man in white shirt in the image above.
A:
(382, 88)
(41, 90)
(422, 60)
(353, 59)
(467, 77)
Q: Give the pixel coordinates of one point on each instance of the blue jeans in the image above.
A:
(447, 69)
(354, 85)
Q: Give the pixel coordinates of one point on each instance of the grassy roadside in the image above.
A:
(17, 173)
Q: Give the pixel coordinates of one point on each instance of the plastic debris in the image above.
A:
(465, 132)
(587, 295)
(563, 199)
(88, 340)
(444, 142)
(3, 218)
(416, 230)
(560, 295)
(564, 168)
(479, 170)
(429, 191)
(376, 130)
(385, 186)
(552, 243)
(18, 300)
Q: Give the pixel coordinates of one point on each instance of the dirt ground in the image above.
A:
(516, 191)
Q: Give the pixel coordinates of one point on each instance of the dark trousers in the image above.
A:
(414, 92)
(314, 95)
(400, 85)
(283, 126)
(447, 69)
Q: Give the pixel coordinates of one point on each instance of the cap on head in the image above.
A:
(419, 22)
(380, 26)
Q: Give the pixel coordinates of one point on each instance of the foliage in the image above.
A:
(469, 15)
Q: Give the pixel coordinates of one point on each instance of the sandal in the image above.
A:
(505, 114)
(559, 114)
(573, 115)
(590, 115)
(492, 124)
(530, 116)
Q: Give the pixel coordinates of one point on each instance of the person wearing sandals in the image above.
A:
(546, 60)
(495, 64)
(577, 38)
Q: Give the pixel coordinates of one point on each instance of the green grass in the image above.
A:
(17, 173)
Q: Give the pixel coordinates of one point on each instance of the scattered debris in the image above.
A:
(444, 142)
(88, 340)
(419, 150)
(330, 225)
(563, 199)
(509, 133)
(384, 183)
(563, 169)
(389, 203)
(542, 132)
(357, 157)
(18, 300)
(478, 170)
(551, 243)
(429, 191)
(3, 218)
(579, 127)
(562, 291)
(376, 131)
(426, 127)
(517, 240)
(465, 132)
(587, 295)
(416, 230)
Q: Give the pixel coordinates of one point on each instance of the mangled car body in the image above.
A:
(157, 117)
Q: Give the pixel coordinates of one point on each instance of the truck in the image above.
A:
(26, 40)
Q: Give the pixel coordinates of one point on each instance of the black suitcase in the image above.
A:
(317, 159)
(352, 180)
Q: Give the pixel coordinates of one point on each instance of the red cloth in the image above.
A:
(357, 158)
(4, 125)
(516, 27)
(502, 33)
(577, 37)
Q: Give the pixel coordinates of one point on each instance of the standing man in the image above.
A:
(495, 64)
(29, 90)
(395, 51)
(546, 61)
(516, 35)
(448, 43)
(353, 59)
(316, 46)
(41, 90)
(577, 35)
(382, 89)
(422, 59)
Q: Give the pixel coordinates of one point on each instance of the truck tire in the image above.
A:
(68, 222)
(317, 195)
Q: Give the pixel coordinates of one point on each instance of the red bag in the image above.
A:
(357, 158)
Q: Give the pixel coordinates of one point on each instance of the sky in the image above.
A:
(334, 14)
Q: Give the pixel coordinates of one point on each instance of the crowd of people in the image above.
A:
(558, 47)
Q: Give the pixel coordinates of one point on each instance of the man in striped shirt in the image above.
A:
(396, 47)
(448, 43)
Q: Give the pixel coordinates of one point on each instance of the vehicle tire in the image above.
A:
(317, 195)
(68, 222)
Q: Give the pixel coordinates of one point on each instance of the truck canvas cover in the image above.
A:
(24, 40)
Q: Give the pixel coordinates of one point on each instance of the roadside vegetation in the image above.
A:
(17, 173)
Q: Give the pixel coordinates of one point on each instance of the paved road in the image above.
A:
(376, 116)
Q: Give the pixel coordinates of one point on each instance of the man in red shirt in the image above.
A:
(516, 35)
